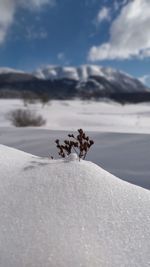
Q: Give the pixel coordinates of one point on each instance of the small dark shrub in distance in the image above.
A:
(29, 97)
(80, 144)
(44, 98)
(25, 118)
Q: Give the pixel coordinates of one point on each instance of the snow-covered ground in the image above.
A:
(68, 213)
(62, 213)
(121, 133)
(92, 116)
(123, 154)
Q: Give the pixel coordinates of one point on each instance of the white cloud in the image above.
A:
(103, 15)
(129, 34)
(32, 4)
(118, 4)
(8, 9)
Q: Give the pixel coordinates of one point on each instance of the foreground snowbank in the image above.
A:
(68, 214)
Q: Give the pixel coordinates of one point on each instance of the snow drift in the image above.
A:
(68, 213)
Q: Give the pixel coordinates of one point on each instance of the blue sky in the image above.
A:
(112, 33)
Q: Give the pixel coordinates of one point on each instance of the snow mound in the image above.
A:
(62, 213)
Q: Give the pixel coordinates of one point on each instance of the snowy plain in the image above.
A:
(121, 133)
(62, 213)
(91, 115)
(58, 213)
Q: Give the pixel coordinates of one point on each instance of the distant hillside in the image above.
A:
(87, 81)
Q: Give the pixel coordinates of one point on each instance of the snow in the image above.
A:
(84, 72)
(72, 157)
(56, 72)
(121, 133)
(76, 73)
(124, 155)
(92, 116)
(5, 70)
(69, 213)
(119, 80)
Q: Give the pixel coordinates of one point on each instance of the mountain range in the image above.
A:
(86, 81)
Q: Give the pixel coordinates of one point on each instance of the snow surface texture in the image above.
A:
(91, 116)
(69, 213)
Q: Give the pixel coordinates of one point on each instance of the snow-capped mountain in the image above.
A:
(83, 81)
(77, 73)
(6, 70)
(92, 73)
(9, 75)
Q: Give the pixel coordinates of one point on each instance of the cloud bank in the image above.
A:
(8, 9)
(129, 34)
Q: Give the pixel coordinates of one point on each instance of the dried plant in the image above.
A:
(25, 118)
(80, 144)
